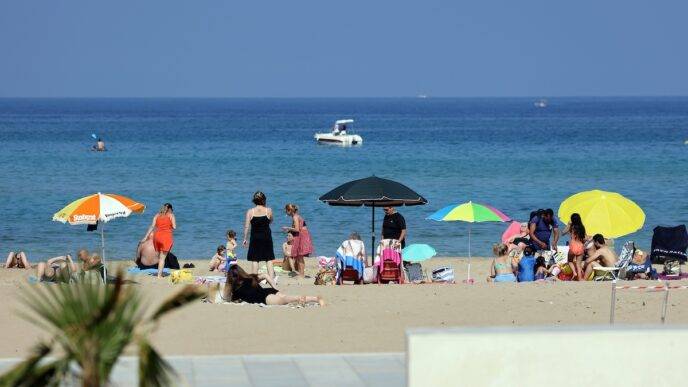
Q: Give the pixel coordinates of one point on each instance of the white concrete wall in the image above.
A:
(553, 357)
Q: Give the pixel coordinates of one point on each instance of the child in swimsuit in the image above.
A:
(540, 269)
(217, 262)
(230, 256)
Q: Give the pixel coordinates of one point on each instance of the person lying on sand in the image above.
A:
(602, 256)
(55, 268)
(241, 286)
(17, 260)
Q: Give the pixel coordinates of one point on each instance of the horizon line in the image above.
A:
(419, 96)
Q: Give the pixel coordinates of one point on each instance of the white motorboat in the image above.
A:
(541, 103)
(340, 134)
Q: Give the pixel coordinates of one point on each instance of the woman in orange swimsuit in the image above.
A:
(164, 224)
(576, 244)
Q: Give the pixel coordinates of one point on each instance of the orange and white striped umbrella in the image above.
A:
(98, 208)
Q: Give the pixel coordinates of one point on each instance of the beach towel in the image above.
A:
(210, 279)
(389, 254)
(136, 271)
(354, 263)
(669, 243)
(219, 300)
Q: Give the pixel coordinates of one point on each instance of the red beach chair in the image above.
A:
(390, 267)
(349, 274)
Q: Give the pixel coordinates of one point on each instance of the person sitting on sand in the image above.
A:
(603, 256)
(17, 260)
(241, 286)
(218, 261)
(540, 269)
(502, 268)
(526, 265)
(147, 257)
(287, 258)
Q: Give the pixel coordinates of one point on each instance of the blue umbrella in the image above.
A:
(417, 252)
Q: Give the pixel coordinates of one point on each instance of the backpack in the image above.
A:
(672, 268)
(537, 213)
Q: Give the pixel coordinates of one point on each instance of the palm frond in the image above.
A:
(30, 372)
(91, 324)
(153, 369)
(112, 297)
(186, 295)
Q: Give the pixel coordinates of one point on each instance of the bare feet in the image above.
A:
(321, 302)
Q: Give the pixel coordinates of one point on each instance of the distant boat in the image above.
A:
(339, 135)
(541, 103)
(423, 96)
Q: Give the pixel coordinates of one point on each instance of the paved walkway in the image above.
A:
(369, 369)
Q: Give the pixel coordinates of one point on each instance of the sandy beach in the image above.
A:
(368, 318)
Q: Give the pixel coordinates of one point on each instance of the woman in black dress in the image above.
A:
(260, 248)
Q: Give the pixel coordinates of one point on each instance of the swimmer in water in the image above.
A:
(100, 145)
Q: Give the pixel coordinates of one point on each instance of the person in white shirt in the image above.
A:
(353, 247)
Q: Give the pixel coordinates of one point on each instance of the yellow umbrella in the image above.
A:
(607, 213)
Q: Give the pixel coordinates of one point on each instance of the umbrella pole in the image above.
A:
(372, 236)
(468, 278)
(102, 250)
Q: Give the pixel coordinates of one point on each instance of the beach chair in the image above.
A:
(349, 269)
(618, 271)
(390, 268)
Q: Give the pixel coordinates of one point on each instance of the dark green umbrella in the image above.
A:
(373, 192)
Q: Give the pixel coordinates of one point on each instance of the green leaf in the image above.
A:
(153, 369)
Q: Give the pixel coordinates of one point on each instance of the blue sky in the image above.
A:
(296, 48)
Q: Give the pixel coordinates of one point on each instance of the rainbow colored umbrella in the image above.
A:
(469, 212)
(97, 208)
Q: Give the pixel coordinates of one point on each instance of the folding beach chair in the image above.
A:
(390, 267)
(602, 273)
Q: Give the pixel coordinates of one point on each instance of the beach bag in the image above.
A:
(183, 276)
(443, 274)
(326, 277)
(370, 274)
(672, 268)
(414, 272)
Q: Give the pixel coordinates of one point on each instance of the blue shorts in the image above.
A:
(505, 278)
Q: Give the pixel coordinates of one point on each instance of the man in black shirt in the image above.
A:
(394, 226)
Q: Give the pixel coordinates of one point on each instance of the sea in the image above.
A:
(208, 156)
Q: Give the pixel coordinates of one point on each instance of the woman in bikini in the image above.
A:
(17, 260)
(576, 245)
(502, 268)
(241, 286)
(164, 223)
